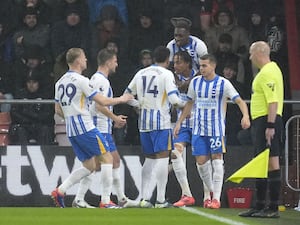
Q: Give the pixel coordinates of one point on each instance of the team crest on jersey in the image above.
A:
(91, 86)
(271, 85)
(213, 92)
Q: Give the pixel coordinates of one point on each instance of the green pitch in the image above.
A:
(135, 216)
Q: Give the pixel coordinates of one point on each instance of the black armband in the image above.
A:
(270, 125)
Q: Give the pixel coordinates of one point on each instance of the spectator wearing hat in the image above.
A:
(31, 33)
(33, 61)
(42, 9)
(147, 34)
(68, 33)
(96, 9)
(184, 41)
(32, 123)
(59, 9)
(224, 55)
(225, 23)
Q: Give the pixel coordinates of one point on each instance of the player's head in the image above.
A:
(76, 57)
(207, 66)
(259, 53)
(182, 62)
(161, 54)
(182, 28)
(107, 58)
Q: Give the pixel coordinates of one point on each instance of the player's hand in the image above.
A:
(120, 121)
(245, 122)
(126, 97)
(270, 132)
(176, 130)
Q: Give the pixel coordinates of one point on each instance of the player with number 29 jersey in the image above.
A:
(74, 102)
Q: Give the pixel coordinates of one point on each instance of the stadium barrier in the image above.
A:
(28, 174)
(293, 179)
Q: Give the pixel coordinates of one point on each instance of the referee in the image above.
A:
(266, 108)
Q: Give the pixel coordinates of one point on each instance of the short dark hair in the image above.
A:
(209, 57)
(161, 54)
(181, 22)
(104, 55)
(185, 56)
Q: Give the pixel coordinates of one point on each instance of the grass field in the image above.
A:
(136, 216)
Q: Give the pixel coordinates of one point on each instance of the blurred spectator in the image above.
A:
(224, 55)
(225, 23)
(221, 4)
(6, 43)
(68, 33)
(9, 14)
(134, 7)
(108, 26)
(32, 123)
(32, 33)
(233, 115)
(183, 41)
(6, 83)
(43, 11)
(95, 7)
(276, 35)
(60, 8)
(257, 26)
(146, 58)
(146, 35)
(202, 16)
(33, 62)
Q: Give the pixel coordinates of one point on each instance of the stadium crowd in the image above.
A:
(35, 36)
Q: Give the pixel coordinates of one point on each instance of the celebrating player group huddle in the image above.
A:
(86, 106)
(199, 96)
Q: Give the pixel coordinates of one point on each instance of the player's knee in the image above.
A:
(175, 154)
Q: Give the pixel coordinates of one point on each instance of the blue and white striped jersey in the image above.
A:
(210, 98)
(154, 86)
(188, 121)
(102, 85)
(196, 48)
(73, 93)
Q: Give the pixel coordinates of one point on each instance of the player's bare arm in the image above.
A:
(245, 122)
(102, 100)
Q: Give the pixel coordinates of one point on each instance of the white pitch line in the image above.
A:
(213, 217)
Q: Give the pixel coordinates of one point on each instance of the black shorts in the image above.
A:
(259, 126)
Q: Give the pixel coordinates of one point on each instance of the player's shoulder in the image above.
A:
(96, 77)
(170, 43)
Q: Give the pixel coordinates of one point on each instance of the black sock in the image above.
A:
(261, 192)
(274, 180)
